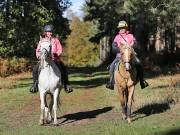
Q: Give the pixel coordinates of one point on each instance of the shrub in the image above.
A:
(13, 65)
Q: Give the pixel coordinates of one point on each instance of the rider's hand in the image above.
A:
(55, 55)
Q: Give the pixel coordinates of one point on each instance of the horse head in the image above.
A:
(127, 55)
(45, 49)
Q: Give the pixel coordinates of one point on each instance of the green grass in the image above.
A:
(92, 109)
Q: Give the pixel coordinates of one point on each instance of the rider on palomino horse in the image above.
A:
(124, 37)
(56, 50)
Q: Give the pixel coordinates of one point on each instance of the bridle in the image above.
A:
(45, 55)
(127, 61)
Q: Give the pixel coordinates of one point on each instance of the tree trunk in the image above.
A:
(141, 33)
(7, 9)
(177, 43)
(159, 38)
(105, 49)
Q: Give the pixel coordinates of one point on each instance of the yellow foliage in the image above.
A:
(80, 51)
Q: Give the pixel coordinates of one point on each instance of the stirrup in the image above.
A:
(34, 88)
(68, 89)
(110, 86)
(144, 84)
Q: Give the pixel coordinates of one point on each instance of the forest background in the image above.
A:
(87, 39)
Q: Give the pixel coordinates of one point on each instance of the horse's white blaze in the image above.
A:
(49, 82)
(126, 53)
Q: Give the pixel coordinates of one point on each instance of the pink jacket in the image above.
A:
(124, 38)
(56, 48)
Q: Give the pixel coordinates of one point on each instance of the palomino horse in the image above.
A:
(125, 80)
(49, 83)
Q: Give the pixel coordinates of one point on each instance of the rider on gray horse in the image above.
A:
(124, 37)
(56, 50)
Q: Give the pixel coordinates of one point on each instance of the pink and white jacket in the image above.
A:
(124, 38)
(56, 48)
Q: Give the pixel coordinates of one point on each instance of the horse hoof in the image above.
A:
(129, 120)
(47, 121)
(41, 122)
(55, 124)
(124, 117)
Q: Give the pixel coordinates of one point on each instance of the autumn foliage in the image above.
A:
(81, 52)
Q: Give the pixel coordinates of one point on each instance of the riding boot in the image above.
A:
(35, 75)
(67, 88)
(110, 84)
(140, 74)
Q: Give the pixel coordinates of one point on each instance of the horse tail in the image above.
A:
(48, 104)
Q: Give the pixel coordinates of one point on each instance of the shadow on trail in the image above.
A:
(172, 132)
(92, 77)
(70, 118)
(23, 84)
(151, 109)
(161, 87)
(91, 83)
(86, 70)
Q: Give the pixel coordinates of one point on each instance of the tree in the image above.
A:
(146, 18)
(81, 52)
(105, 15)
(22, 22)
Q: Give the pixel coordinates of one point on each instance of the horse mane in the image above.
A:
(127, 46)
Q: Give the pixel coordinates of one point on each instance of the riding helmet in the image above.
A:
(122, 24)
(48, 28)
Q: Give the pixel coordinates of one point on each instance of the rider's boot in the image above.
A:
(65, 81)
(35, 75)
(140, 73)
(34, 87)
(110, 84)
(68, 88)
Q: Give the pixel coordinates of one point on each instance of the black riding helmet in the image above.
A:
(48, 28)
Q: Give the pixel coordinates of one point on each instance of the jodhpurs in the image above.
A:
(112, 68)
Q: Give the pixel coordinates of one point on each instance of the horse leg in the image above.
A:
(129, 103)
(50, 109)
(55, 105)
(42, 98)
(122, 101)
(46, 110)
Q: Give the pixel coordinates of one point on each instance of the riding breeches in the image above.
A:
(112, 68)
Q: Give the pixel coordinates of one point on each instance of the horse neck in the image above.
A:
(46, 65)
(123, 71)
(53, 67)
